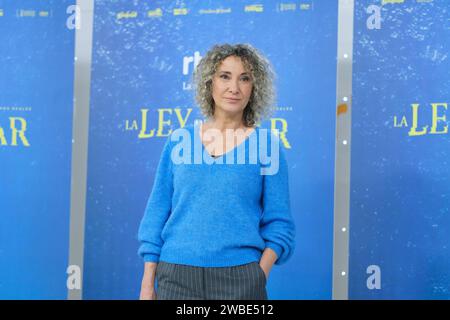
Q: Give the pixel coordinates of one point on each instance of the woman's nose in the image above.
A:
(234, 87)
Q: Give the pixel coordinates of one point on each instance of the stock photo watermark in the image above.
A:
(74, 20)
(74, 277)
(267, 154)
(374, 280)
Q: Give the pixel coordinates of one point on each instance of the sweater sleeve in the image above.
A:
(277, 226)
(158, 208)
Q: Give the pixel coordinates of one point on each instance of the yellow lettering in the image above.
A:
(403, 122)
(134, 125)
(435, 118)
(2, 138)
(180, 118)
(161, 122)
(283, 130)
(142, 133)
(21, 132)
(413, 131)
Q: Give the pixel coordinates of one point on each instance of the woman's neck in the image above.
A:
(223, 125)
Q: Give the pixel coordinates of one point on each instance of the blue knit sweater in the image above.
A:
(216, 213)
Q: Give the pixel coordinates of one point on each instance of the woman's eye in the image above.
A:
(246, 79)
(224, 76)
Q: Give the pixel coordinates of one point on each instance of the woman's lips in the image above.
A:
(232, 100)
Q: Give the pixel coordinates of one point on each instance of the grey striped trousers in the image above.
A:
(182, 282)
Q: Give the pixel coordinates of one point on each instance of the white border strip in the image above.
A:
(342, 156)
(83, 50)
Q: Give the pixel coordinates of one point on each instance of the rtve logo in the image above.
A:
(188, 60)
(189, 65)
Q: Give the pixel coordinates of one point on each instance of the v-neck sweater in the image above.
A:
(214, 212)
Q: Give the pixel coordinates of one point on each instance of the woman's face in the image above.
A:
(232, 86)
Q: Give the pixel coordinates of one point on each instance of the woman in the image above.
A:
(214, 231)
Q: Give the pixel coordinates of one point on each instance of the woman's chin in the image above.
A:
(232, 108)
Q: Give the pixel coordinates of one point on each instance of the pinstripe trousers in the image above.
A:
(182, 282)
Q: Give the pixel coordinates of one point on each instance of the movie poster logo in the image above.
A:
(13, 128)
(162, 121)
(429, 119)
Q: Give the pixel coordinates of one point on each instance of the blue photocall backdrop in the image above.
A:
(144, 54)
(143, 58)
(36, 105)
(400, 186)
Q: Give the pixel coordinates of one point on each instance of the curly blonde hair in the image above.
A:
(260, 104)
